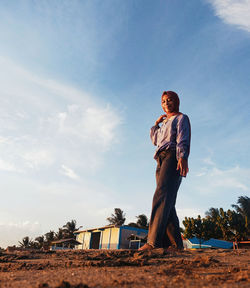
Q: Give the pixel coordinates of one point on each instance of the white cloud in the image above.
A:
(199, 174)
(6, 166)
(37, 158)
(230, 178)
(68, 172)
(208, 161)
(15, 231)
(233, 12)
(4, 140)
(212, 180)
(95, 125)
(44, 123)
(31, 226)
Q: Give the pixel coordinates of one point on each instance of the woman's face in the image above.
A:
(168, 104)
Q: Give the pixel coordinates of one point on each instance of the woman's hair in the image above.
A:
(174, 96)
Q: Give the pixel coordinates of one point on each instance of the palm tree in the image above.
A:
(50, 236)
(70, 227)
(133, 224)
(237, 225)
(26, 242)
(212, 214)
(142, 221)
(118, 218)
(243, 208)
(40, 242)
(60, 234)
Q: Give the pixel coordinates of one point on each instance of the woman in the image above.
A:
(172, 139)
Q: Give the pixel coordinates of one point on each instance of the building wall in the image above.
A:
(126, 232)
(84, 238)
(87, 237)
(114, 238)
(105, 239)
(111, 238)
(79, 238)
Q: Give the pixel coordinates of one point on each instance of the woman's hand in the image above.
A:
(160, 119)
(183, 167)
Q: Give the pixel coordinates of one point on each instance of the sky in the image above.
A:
(80, 87)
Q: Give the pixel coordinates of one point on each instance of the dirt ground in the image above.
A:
(125, 268)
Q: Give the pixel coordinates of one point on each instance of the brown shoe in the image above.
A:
(146, 247)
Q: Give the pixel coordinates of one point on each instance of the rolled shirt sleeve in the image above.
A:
(183, 138)
(153, 134)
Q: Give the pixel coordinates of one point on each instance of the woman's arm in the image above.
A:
(153, 134)
(160, 119)
(183, 138)
(154, 129)
(182, 165)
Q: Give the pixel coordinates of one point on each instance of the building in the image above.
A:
(64, 244)
(128, 237)
(108, 237)
(194, 243)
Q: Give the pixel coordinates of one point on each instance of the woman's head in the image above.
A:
(170, 101)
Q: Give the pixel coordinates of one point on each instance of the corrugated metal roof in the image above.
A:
(99, 228)
(216, 243)
(110, 226)
(69, 240)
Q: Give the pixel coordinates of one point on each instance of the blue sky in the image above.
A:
(80, 88)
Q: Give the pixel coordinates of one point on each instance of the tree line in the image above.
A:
(231, 225)
(44, 241)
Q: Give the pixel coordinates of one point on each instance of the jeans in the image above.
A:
(164, 228)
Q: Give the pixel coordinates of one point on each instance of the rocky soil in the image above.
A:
(125, 268)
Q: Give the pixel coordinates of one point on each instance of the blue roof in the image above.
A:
(126, 227)
(213, 243)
